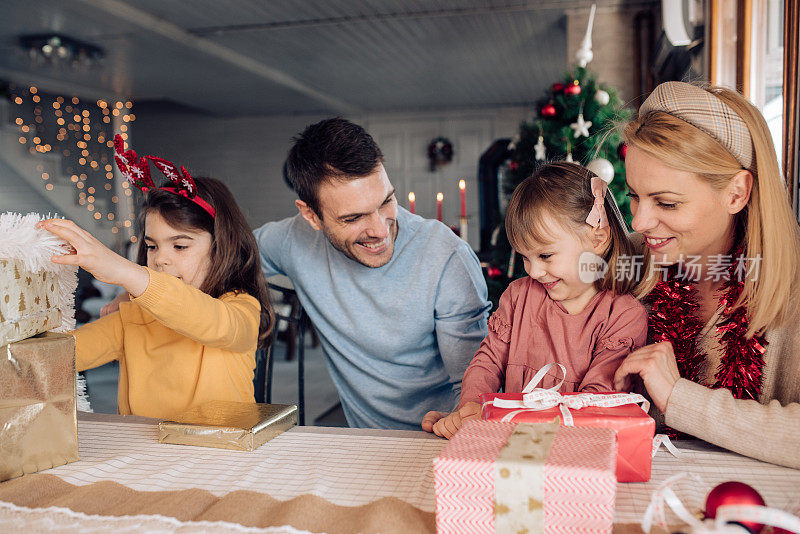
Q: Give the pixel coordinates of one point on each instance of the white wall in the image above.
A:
(248, 154)
(18, 196)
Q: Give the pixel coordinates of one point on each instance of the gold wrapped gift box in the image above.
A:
(229, 425)
(37, 405)
(29, 302)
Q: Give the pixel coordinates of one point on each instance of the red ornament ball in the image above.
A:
(573, 89)
(734, 493)
(622, 151)
(513, 166)
(494, 272)
(557, 88)
(548, 111)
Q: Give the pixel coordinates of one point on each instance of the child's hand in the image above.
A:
(446, 427)
(430, 419)
(93, 256)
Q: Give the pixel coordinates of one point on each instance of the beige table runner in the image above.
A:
(246, 508)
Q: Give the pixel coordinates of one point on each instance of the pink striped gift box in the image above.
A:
(509, 477)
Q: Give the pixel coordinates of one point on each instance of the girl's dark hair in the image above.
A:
(235, 262)
(562, 192)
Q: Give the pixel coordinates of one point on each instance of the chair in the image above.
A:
(262, 379)
(297, 320)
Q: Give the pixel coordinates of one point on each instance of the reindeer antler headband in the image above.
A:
(137, 170)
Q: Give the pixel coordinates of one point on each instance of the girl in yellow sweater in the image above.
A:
(199, 304)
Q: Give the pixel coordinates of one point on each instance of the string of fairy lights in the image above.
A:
(82, 134)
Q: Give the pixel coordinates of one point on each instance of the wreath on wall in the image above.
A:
(440, 152)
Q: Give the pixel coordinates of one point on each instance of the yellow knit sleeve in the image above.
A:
(98, 342)
(230, 322)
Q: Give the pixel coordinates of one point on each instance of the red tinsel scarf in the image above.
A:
(674, 318)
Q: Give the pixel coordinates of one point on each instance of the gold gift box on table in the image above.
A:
(29, 303)
(38, 419)
(240, 426)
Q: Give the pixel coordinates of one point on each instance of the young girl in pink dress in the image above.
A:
(571, 309)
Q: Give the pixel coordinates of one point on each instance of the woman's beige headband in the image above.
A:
(705, 111)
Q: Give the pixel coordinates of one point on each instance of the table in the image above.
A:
(308, 479)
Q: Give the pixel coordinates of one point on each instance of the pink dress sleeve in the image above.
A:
(487, 370)
(625, 332)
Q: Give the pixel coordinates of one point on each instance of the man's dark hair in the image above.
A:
(332, 149)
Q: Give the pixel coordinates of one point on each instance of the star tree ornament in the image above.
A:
(581, 126)
(540, 149)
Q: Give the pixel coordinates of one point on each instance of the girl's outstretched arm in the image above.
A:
(89, 253)
(485, 373)
(229, 322)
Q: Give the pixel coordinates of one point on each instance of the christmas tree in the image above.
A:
(577, 121)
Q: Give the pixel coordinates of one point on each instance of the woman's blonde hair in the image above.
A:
(766, 226)
(562, 192)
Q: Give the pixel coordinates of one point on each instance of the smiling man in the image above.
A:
(399, 302)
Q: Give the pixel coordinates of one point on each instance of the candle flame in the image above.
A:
(462, 184)
(439, 196)
(411, 197)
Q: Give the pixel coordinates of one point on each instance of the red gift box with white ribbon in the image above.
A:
(626, 413)
(497, 477)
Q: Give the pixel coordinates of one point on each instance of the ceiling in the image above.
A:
(260, 57)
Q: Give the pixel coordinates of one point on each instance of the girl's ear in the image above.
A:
(600, 239)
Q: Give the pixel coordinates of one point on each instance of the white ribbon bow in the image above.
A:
(537, 399)
(726, 515)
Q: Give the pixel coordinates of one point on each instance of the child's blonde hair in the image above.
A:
(767, 227)
(562, 192)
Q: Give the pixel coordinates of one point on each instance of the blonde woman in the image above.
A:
(721, 273)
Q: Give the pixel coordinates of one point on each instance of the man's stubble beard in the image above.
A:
(342, 247)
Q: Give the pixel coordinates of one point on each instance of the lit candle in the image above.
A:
(411, 203)
(462, 185)
(439, 198)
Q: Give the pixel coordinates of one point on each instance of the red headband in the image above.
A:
(137, 171)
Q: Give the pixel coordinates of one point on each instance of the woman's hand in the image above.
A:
(93, 256)
(656, 366)
(446, 426)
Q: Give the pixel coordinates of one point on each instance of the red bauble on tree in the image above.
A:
(622, 151)
(494, 272)
(548, 111)
(734, 493)
(573, 89)
(557, 88)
